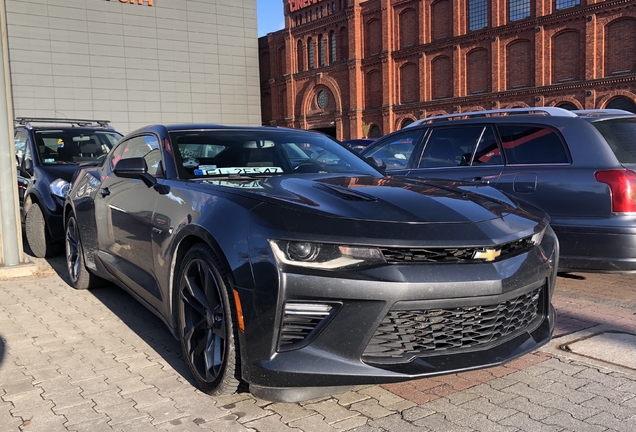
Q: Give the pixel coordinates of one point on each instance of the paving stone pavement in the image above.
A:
(98, 361)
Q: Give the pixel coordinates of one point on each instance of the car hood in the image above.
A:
(65, 172)
(375, 198)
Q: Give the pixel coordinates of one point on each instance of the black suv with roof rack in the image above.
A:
(48, 152)
(578, 166)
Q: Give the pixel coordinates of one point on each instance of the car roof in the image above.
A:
(538, 114)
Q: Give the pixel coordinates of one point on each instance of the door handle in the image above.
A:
(480, 180)
(105, 192)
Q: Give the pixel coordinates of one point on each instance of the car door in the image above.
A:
(461, 152)
(398, 151)
(24, 165)
(538, 170)
(124, 210)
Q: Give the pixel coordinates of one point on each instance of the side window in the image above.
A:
(447, 147)
(20, 143)
(396, 151)
(146, 146)
(488, 152)
(524, 145)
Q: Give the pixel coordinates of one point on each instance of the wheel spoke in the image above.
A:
(219, 322)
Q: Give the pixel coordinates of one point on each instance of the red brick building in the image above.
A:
(350, 67)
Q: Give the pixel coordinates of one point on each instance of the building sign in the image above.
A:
(136, 2)
(296, 5)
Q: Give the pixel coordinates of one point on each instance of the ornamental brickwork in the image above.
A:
(380, 64)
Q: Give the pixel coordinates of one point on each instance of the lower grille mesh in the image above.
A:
(404, 334)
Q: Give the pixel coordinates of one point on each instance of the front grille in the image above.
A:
(405, 334)
(454, 255)
(299, 321)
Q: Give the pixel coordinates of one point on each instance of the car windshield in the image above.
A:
(620, 134)
(258, 152)
(58, 146)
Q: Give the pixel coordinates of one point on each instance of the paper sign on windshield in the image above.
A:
(238, 170)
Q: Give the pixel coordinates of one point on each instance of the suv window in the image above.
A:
(19, 143)
(621, 136)
(525, 145)
(73, 145)
(146, 146)
(396, 151)
(447, 147)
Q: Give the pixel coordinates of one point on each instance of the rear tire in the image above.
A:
(206, 320)
(37, 235)
(81, 278)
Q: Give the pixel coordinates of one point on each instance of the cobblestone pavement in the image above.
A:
(98, 361)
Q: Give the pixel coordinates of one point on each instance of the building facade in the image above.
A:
(135, 62)
(354, 68)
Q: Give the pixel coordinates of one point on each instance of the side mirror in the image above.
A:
(134, 168)
(377, 162)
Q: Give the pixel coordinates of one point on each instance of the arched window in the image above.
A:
(409, 83)
(344, 44)
(406, 122)
(442, 19)
(519, 64)
(478, 66)
(332, 47)
(300, 54)
(620, 47)
(408, 28)
(311, 53)
(623, 103)
(375, 132)
(373, 89)
(442, 77)
(565, 56)
(282, 62)
(568, 106)
(321, 51)
(266, 108)
(372, 37)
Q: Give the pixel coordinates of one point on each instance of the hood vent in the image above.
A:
(346, 193)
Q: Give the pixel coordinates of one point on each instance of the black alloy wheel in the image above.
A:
(80, 276)
(207, 324)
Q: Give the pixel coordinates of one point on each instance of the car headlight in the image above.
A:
(324, 256)
(538, 237)
(60, 188)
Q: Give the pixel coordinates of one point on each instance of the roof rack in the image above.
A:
(600, 112)
(544, 111)
(26, 121)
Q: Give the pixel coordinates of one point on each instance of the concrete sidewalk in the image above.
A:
(98, 361)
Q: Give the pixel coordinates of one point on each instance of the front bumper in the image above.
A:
(335, 351)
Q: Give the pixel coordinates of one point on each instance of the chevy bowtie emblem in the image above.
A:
(487, 254)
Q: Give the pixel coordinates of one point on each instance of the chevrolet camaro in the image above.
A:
(283, 260)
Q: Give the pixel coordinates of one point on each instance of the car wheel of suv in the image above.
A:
(81, 278)
(207, 323)
(37, 236)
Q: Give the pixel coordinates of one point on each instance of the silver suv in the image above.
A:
(578, 166)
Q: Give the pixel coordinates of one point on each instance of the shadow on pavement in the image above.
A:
(132, 313)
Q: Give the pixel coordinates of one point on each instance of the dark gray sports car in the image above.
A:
(283, 260)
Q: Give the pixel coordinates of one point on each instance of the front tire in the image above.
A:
(207, 323)
(81, 278)
(37, 236)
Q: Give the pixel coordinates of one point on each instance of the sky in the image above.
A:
(269, 16)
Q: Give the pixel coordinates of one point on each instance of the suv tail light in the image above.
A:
(622, 184)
